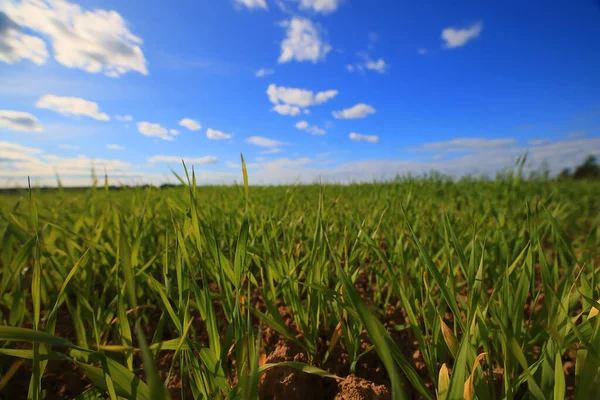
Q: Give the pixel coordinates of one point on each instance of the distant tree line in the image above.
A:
(589, 169)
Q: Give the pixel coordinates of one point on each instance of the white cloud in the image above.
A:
(357, 137)
(357, 111)
(322, 6)
(301, 125)
(350, 67)
(465, 144)
(12, 152)
(313, 130)
(17, 162)
(263, 141)
(187, 160)
(124, 118)
(538, 142)
(95, 41)
(303, 42)
(20, 162)
(379, 65)
(154, 130)
(422, 51)
(264, 72)
(290, 101)
(19, 121)
(16, 45)
(114, 147)
(217, 135)
(72, 106)
(252, 4)
(191, 124)
(286, 109)
(327, 95)
(273, 150)
(68, 146)
(459, 37)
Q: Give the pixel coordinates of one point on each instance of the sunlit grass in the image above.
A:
(496, 281)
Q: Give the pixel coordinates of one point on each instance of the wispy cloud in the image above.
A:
(320, 6)
(214, 134)
(155, 130)
(19, 121)
(68, 146)
(313, 130)
(261, 73)
(357, 137)
(263, 141)
(72, 106)
(357, 111)
(252, 4)
(190, 124)
(458, 37)
(187, 160)
(465, 144)
(112, 146)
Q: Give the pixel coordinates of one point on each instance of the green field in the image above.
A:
(423, 288)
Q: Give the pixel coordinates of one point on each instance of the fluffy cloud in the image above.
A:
(357, 137)
(251, 4)
(19, 121)
(173, 131)
(114, 147)
(459, 37)
(291, 101)
(465, 144)
(72, 106)
(95, 41)
(15, 45)
(286, 109)
(322, 6)
(302, 42)
(124, 118)
(190, 124)
(313, 130)
(379, 65)
(360, 110)
(298, 97)
(217, 135)
(263, 141)
(187, 160)
(264, 72)
(154, 130)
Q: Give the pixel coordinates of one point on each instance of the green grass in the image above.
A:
(145, 271)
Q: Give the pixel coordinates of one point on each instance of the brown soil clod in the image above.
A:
(285, 383)
(355, 388)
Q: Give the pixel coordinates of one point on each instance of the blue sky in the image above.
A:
(305, 89)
